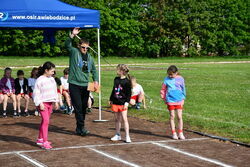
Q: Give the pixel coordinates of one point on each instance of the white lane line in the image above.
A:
(30, 160)
(114, 158)
(133, 143)
(24, 151)
(192, 155)
(104, 145)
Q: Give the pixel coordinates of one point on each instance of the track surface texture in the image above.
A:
(151, 145)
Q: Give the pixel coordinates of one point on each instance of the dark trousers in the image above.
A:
(79, 98)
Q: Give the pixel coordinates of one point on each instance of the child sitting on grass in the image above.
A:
(137, 94)
(21, 87)
(173, 93)
(7, 86)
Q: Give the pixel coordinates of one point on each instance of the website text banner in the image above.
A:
(49, 19)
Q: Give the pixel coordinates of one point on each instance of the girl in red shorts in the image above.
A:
(173, 93)
(119, 101)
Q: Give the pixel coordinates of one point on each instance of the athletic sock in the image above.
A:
(180, 131)
(173, 131)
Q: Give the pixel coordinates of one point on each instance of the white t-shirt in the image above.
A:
(65, 83)
(21, 84)
(137, 90)
(8, 84)
(32, 82)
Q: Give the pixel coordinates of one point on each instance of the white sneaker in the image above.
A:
(175, 137)
(181, 136)
(116, 138)
(128, 140)
(36, 113)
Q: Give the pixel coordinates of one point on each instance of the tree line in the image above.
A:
(150, 28)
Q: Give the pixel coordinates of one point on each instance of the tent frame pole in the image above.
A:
(99, 72)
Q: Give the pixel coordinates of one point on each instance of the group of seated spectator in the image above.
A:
(22, 88)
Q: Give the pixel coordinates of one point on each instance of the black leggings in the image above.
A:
(79, 97)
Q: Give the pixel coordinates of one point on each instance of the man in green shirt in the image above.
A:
(81, 64)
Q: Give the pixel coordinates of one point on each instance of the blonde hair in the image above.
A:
(132, 78)
(124, 68)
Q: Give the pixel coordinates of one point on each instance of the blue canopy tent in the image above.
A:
(46, 14)
(49, 14)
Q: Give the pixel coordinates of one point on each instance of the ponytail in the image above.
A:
(129, 77)
(125, 69)
(46, 66)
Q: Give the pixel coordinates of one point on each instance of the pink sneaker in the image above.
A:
(40, 142)
(46, 145)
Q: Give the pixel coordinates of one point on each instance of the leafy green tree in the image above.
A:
(152, 28)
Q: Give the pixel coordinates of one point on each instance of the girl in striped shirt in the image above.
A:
(45, 94)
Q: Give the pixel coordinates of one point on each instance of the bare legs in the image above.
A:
(26, 98)
(5, 100)
(119, 117)
(67, 98)
(180, 123)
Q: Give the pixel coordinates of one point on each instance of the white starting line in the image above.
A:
(99, 145)
(192, 155)
(114, 158)
(30, 160)
(93, 148)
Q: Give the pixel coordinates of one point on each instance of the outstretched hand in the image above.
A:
(76, 31)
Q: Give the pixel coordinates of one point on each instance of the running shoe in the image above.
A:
(70, 110)
(83, 132)
(138, 106)
(175, 137)
(26, 114)
(46, 145)
(36, 113)
(4, 114)
(63, 108)
(116, 138)
(15, 113)
(128, 140)
(181, 136)
(89, 110)
(40, 142)
(19, 114)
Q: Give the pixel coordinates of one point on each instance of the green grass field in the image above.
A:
(218, 95)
